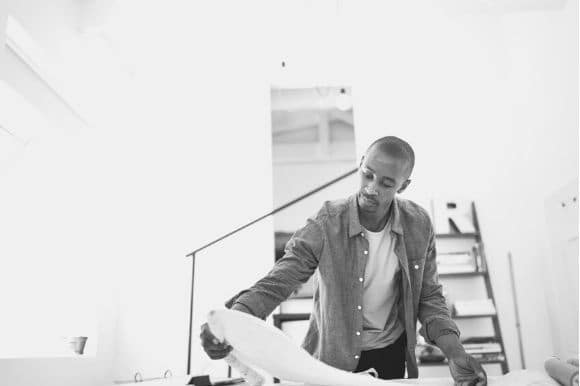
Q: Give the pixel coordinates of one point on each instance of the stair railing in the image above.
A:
(276, 210)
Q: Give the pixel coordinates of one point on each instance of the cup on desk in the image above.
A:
(77, 344)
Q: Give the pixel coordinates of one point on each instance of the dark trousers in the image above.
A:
(388, 361)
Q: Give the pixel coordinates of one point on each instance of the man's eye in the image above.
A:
(368, 175)
(387, 186)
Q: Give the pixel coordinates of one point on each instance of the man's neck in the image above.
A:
(375, 222)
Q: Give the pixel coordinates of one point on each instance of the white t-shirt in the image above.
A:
(381, 325)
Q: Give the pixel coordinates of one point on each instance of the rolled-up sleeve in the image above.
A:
(434, 314)
(299, 262)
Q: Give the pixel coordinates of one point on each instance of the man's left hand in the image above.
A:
(466, 371)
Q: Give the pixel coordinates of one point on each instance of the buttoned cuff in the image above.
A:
(230, 302)
(242, 302)
(436, 327)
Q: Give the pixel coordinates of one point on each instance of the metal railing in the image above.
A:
(276, 210)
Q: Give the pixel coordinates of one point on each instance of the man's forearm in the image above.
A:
(450, 345)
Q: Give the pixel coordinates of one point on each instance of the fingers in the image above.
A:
(481, 379)
(217, 353)
(206, 333)
(207, 337)
(472, 382)
(212, 346)
(478, 381)
(468, 372)
(480, 372)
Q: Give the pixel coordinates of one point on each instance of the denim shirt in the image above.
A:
(332, 245)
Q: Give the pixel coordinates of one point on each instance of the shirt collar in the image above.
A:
(355, 228)
(396, 227)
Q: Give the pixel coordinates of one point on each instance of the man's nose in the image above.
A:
(371, 189)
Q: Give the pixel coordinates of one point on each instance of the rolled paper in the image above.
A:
(573, 361)
(261, 346)
(563, 372)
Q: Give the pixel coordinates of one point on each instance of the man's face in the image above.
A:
(382, 176)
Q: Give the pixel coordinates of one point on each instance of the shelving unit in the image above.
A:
(481, 273)
(462, 274)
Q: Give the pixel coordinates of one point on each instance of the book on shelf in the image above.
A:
(482, 358)
(473, 307)
(427, 353)
(456, 262)
(482, 348)
(489, 357)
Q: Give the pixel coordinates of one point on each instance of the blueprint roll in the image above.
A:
(573, 361)
(565, 373)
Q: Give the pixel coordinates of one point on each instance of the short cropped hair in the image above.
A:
(395, 147)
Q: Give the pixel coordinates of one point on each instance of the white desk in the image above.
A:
(522, 377)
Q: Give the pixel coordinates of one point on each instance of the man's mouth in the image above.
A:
(369, 199)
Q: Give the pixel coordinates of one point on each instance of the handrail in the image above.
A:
(286, 205)
(276, 210)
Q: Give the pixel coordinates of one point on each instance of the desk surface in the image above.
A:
(520, 377)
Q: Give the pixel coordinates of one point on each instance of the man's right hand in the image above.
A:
(212, 346)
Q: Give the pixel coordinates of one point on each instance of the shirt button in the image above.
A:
(358, 332)
(360, 279)
(366, 252)
(416, 266)
(362, 234)
(356, 357)
(359, 307)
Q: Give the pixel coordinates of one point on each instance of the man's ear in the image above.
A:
(404, 186)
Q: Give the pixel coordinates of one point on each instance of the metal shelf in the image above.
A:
(457, 235)
(289, 317)
(463, 274)
(445, 363)
(473, 316)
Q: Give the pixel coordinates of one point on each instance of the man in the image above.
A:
(374, 255)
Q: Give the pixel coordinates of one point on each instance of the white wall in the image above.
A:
(562, 220)
(180, 191)
(153, 191)
(294, 179)
(299, 168)
(44, 215)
